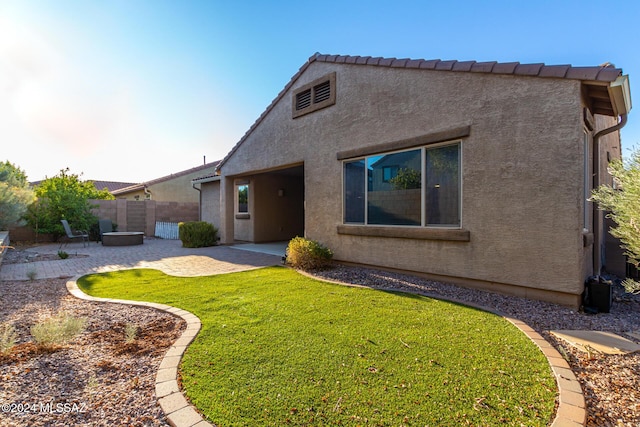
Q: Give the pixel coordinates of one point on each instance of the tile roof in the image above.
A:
(604, 73)
(594, 78)
(100, 185)
(140, 186)
(112, 185)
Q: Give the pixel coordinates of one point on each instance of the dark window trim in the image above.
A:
(430, 138)
(314, 106)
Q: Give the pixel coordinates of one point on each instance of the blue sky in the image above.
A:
(135, 90)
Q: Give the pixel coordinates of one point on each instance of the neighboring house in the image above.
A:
(110, 186)
(467, 172)
(176, 187)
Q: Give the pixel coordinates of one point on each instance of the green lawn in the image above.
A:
(278, 348)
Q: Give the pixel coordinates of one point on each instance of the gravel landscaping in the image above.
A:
(101, 380)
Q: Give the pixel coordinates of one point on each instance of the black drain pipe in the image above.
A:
(597, 235)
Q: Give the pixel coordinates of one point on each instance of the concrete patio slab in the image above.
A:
(604, 342)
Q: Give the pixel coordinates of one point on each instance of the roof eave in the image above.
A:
(620, 94)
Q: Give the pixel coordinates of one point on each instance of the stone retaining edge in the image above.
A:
(179, 412)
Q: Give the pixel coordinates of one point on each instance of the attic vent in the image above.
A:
(303, 100)
(322, 92)
(318, 94)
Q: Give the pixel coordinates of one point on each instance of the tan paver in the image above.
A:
(604, 342)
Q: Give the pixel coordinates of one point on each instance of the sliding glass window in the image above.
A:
(418, 187)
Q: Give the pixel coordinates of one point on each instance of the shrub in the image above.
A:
(63, 255)
(308, 254)
(57, 330)
(197, 234)
(130, 333)
(8, 337)
(15, 194)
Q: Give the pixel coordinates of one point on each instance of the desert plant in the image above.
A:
(307, 254)
(197, 234)
(32, 274)
(622, 202)
(8, 337)
(130, 333)
(57, 330)
(15, 194)
(63, 255)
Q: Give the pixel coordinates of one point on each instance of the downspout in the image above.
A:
(193, 185)
(597, 214)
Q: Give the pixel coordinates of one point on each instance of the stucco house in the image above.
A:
(175, 187)
(466, 172)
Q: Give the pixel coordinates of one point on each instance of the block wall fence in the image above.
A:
(129, 215)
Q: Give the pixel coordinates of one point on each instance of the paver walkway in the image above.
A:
(165, 255)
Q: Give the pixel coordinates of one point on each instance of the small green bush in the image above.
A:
(57, 330)
(8, 337)
(308, 254)
(130, 333)
(197, 234)
(63, 255)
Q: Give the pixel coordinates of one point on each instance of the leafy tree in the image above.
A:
(64, 196)
(623, 202)
(15, 194)
(406, 179)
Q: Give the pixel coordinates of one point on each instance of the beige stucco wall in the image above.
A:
(210, 203)
(522, 171)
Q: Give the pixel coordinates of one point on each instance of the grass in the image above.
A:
(278, 348)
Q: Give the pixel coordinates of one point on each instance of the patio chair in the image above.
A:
(106, 226)
(75, 234)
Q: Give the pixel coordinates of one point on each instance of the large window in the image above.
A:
(418, 187)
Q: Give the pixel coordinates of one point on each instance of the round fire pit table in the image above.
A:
(122, 238)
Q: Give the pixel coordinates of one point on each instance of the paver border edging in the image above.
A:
(179, 412)
(572, 409)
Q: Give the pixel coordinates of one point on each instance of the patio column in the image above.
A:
(226, 211)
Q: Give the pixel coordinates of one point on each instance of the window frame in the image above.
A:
(423, 195)
(241, 214)
(311, 87)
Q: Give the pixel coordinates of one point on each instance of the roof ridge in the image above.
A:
(605, 72)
